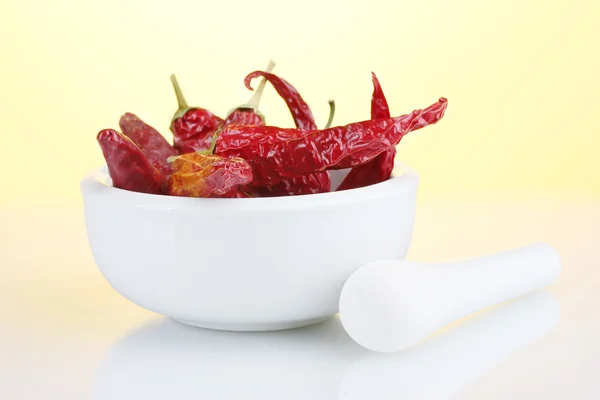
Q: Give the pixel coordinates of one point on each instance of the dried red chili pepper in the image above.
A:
(128, 166)
(274, 152)
(377, 170)
(248, 114)
(380, 168)
(205, 175)
(243, 116)
(149, 141)
(192, 127)
(379, 105)
(303, 117)
(318, 182)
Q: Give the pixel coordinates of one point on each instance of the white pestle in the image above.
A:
(388, 306)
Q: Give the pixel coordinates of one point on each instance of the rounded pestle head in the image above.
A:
(383, 306)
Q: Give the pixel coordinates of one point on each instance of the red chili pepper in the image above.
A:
(204, 175)
(128, 166)
(149, 141)
(380, 168)
(248, 114)
(243, 116)
(274, 152)
(193, 127)
(318, 182)
(195, 130)
(379, 105)
(303, 117)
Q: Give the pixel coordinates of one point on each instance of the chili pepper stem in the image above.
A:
(213, 142)
(255, 99)
(331, 113)
(181, 103)
(247, 193)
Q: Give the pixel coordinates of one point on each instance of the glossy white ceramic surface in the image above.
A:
(244, 264)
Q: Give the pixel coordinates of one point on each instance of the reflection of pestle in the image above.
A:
(388, 306)
(447, 362)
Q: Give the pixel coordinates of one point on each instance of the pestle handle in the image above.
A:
(486, 281)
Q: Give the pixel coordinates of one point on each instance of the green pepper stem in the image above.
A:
(182, 104)
(331, 113)
(255, 99)
(213, 142)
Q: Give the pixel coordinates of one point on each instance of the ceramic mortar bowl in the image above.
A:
(244, 264)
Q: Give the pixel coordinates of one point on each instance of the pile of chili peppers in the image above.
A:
(240, 156)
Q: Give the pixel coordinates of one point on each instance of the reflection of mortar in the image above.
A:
(166, 360)
(244, 264)
(449, 361)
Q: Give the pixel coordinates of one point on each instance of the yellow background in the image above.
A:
(522, 79)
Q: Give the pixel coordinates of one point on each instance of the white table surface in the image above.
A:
(65, 334)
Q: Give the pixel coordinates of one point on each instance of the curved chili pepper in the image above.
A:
(331, 113)
(192, 127)
(303, 118)
(248, 114)
(204, 175)
(380, 168)
(274, 152)
(128, 166)
(149, 141)
(379, 104)
(301, 112)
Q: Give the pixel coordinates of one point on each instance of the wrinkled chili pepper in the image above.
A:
(275, 152)
(303, 117)
(243, 116)
(192, 127)
(379, 105)
(205, 175)
(319, 182)
(149, 141)
(248, 114)
(380, 168)
(128, 166)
